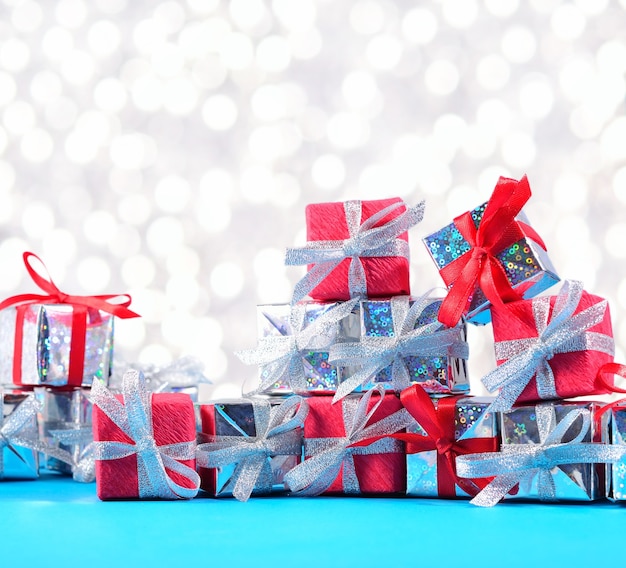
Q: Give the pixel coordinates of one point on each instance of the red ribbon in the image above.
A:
(438, 423)
(496, 231)
(82, 307)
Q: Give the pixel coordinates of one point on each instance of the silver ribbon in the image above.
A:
(563, 332)
(83, 462)
(281, 357)
(517, 463)
(134, 418)
(364, 240)
(277, 434)
(373, 354)
(327, 456)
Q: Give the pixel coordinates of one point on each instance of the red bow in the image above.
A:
(438, 423)
(496, 231)
(82, 306)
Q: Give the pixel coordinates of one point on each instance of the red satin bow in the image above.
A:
(497, 230)
(438, 423)
(81, 304)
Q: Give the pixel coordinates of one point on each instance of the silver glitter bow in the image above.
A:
(373, 354)
(517, 463)
(327, 456)
(364, 240)
(277, 434)
(563, 332)
(83, 461)
(281, 357)
(134, 418)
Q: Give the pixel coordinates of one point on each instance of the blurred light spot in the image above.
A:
(124, 241)
(61, 113)
(611, 56)
(536, 97)
(147, 94)
(276, 290)
(26, 16)
(576, 78)
(104, 38)
(99, 226)
(79, 149)
(586, 122)
(57, 43)
(502, 8)
(138, 271)
(219, 112)
(70, 13)
(360, 90)
(36, 145)
(567, 22)
(236, 51)
(171, 194)
(460, 13)
(149, 34)
(570, 191)
(167, 60)
(257, 184)
(112, 6)
(268, 143)
(14, 54)
(37, 219)
(182, 292)
(328, 172)
(442, 77)
(180, 96)
(60, 243)
(44, 87)
(295, 16)
(77, 67)
(367, 17)
(494, 115)
(614, 240)
(273, 54)
(462, 198)
(247, 14)
(8, 88)
(286, 191)
(420, 26)
(268, 262)
(384, 52)
(619, 184)
(93, 273)
(18, 117)
(571, 231)
(492, 72)
(519, 44)
(155, 354)
(305, 44)
(130, 333)
(130, 151)
(110, 95)
(479, 143)
(164, 235)
(518, 149)
(171, 15)
(613, 140)
(184, 261)
(592, 7)
(11, 250)
(226, 280)
(208, 72)
(347, 130)
(3, 140)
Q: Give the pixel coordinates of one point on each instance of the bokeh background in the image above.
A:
(168, 149)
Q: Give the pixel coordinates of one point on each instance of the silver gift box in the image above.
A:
(17, 462)
(614, 432)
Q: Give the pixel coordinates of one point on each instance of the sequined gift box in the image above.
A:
(614, 432)
(236, 428)
(526, 264)
(43, 355)
(16, 460)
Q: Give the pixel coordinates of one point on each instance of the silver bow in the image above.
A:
(281, 357)
(327, 456)
(373, 354)
(364, 240)
(83, 461)
(277, 434)
(517, 463)
(563, 332)
(134, 418)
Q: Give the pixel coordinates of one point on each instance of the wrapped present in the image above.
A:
(294, 341)
(247, 446)
(19, 441)
(55, 339)
(347, 446)
(549, 452)
(551, 347)
(613, 424)
(490, 255)
(355, 249)
(144, 443)
(403, 343)
(445, 428)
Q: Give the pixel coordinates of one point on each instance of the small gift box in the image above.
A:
(55, 339)
(490, 255)
(144, 443)
(551, 347)
(294, 343)
(549, 452)
(355, 249)
(347, 446)
(403, 343)
(614, 432)
(19, 444)
(445, 428)
(247, 446)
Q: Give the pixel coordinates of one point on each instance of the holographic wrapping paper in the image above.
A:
(217, 419)
(470, 421)
(614, 431)
(17, 462)
(437, 375)
(526, 264)
(321, 376)
(573, 482)
(47, 334)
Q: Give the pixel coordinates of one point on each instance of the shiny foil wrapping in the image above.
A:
(614, 432)
(470, 421)
(573, 482)
(436, 374)
(46, 342)
(525, 263)
(18, 462)
(236, 418)
(321, 376)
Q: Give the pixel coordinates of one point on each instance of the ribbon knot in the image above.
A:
(146, 444)
(353, 246)
(444, 445)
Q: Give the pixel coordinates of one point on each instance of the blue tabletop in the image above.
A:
(57, 518)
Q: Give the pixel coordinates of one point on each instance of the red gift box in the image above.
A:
(575, 364)
(173, 422)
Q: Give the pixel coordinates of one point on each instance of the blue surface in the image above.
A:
(56, 518)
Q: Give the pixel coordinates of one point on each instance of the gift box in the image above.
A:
(489, 255)
(19, 455)
(355, 249)
(144, 443)
(247, 446)
(294, 343)
(347, 447)
(403, 343)
(614, 432)
(551, 347)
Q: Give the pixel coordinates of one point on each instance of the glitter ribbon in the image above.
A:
(281, 357)
(364, 240)
(327, 456)
(438, 424)
(277, 434)
(562, 332)
(479, 266)
(134, 418)
(83, 462)
(82, 307)
(373, 354)
(518, 463)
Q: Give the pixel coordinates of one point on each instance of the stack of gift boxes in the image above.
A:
(362, 388)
